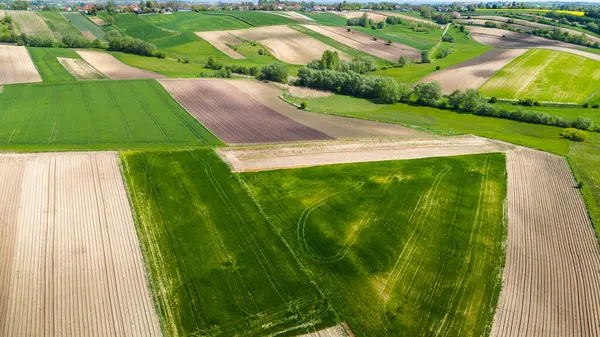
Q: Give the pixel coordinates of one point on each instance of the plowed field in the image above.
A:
(552, 272)
(113, 68)
(235, 117)
(31, 24)
(70, 262)
(17, 66)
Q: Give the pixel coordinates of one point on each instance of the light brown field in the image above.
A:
(482, 22)
(31, 24)
(365, 43)
(1, 14)
(17, 66)
(334, 126)
(221, 40)
(88, 35)
(287, 44)
(474, 72)
(261, 158)
(80, 69)
(340, 330)
(70, 261)
(375, 16)
(97, 20)
(408, 17)
(551, 283)
(113, 68)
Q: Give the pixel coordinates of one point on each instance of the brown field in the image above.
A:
(473, 72)
(365, 43)
(340, 330)
(261, 158)
(551, 281)
(221, 40)
(70, 261)
(235, 117)
(287, 44)
(113, 68)
(88, 35)
(17, 66)
(80, 69)
(408, 17)
(31, 24)
(333, 126)
(97, 20)
(375, 16)
(482, 22)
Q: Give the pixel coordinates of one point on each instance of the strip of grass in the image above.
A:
(399, 248)
(84, 25)
(81, 115)
(546, 75)
(584, 157)
(218, 266)
(464, 48)
(257, 19)
(195, 22)
(48, 66)
(57, 23)
(405, 35)
(326, 19)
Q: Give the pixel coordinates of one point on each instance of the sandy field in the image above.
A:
(31, 24)
(408, 17)
(287, 44)
(340, 330)
(482, 22)
(551, 281)
(261, 158)
(221, 40)
(334, 126)
(372, 15)
(80, 69)
(235, 117)
(97, 20)
(365, 43)
(70, 261)
(113, 68)
(1, 14)
(474, 72)
(17, 66)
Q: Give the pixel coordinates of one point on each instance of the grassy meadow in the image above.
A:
(257, 19)
(48, 66)
(405, 35)
(195, 22)
(546, 75)
(57, 23)
(96, 115)
(84, 24)
(327, 19)
(286, 252)
(140, 28)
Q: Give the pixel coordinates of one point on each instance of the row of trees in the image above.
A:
(127, 44)
(365, 21)
(416, 26)
(331, 61)
(557, 34)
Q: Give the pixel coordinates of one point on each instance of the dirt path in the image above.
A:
(16, 66)
(552, 273)
(70, 262)
(340, 330)
(113, 68)
(80, 69)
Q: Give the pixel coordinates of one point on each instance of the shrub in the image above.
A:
(438, 67)
(303, 105)
(582, 123)
(428, 93)
(448, 38)
(526, 102)
(76, 42)
(493, 100)
(596, 106)
(573, 134)
(586, 105)
(444, 52)
(254, 71)
(160, 54)
(425, 57)
(536, 103)
(129, 45)
(213, 64)
(403, 60)
(274, 72)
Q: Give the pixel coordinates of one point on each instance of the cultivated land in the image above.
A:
(474, 72)
(80, 69)
(235, 117)
(17, 66)
(546, 75)
(244, 159)
(46, 62)
(331, 260)
(327, 19)
(106, 114)
(195, 22)
(30, 24)
(113, 68)
(139, 28)
(222, 40)
(365, 43)
(90, 30)
(57, 23)
(552, 273)
(370, 14)
(340, 330)
(482, 22)
(70, 262)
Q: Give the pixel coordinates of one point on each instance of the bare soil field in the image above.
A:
(80, 69)
(70, 261)
(334, 126)
(474, 72)
(354, 14)
(221, 40)
(17, 66)
(365, 43)
(31, 24)
(287, 44)
(235, 117)
(113, 68)
(97, 20)
(88, 35)
(340, 330)
(261, 158)
(551, 283)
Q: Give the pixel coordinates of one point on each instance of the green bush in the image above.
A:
(493, 100)
(212, 63)
(582, 123)
(403, 60)
(448, 38)
(303, 105)
(274, 72)
(573, 134)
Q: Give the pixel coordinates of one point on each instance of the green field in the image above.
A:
(139, 28)
(405, 35)
(58, 24)
(257, 19)
(326, 19)
(84, 25)
(322, 245)
(95, 115)
(195, 22)
(546, 75)
(48, 66)
(464, 48)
